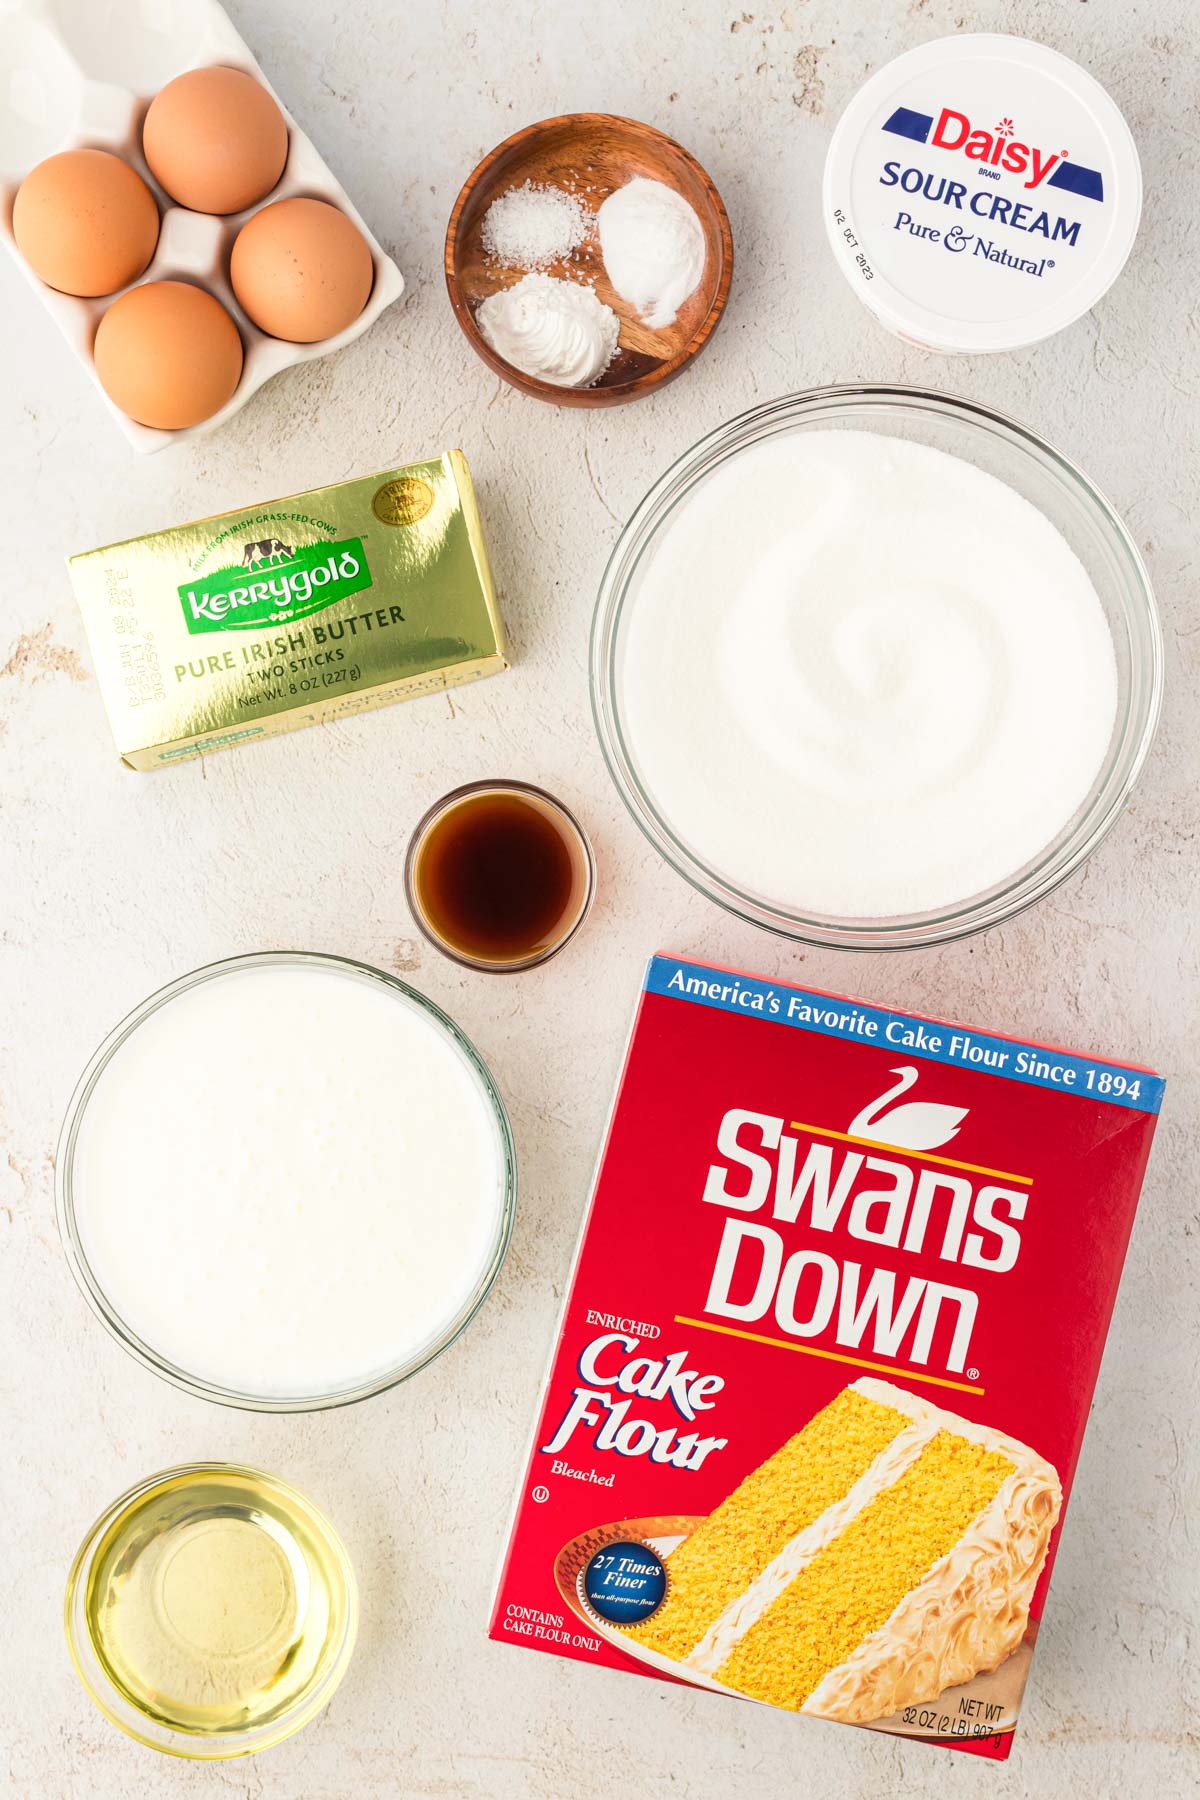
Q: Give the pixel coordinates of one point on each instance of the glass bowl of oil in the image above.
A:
(211, 1611)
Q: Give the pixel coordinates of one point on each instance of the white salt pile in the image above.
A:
(531, 226)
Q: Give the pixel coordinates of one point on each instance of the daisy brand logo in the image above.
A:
(998, 147)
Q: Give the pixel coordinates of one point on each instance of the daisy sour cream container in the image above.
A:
(981, 192)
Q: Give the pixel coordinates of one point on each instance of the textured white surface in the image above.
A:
(115, 882)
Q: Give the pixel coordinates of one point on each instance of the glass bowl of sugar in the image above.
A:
(286, 1182)
(874, 667)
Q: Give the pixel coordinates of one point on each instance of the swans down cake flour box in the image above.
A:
(826, 1357)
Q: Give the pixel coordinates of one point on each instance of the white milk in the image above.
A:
(864, 678)
(288, 1180)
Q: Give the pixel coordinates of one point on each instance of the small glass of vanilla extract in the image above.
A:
(499, 875)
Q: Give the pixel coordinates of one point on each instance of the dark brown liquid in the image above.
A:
(500, 877)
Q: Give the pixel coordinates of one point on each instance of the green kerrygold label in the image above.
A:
(292, 611)
(275, 583)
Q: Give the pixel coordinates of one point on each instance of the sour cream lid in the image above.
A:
(981, 192)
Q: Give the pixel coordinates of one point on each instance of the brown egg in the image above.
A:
(168, 354)
(215, 139)
(301, 270)
(85, 222)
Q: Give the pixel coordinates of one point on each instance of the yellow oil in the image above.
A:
(218, 1601)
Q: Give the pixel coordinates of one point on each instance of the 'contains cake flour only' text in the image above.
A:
(827, 1355)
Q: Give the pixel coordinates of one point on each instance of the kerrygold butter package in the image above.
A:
(291, 612)
(826, 1357)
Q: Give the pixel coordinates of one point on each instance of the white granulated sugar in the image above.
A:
(557, 330)
(653, 248)
(533, 225)
(862, 677)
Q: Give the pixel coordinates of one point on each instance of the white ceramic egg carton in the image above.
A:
(81, 74)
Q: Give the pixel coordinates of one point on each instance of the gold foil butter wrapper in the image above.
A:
(291, 612)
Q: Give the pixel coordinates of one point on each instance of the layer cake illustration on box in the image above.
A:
(887, 1552)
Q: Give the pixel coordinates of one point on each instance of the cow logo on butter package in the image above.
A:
(274, 583)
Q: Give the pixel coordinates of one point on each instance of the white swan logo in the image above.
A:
(917, 1125)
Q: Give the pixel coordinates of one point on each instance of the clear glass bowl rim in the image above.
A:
(199, 1747)
(1025, 887)
(496, 785)
(97, 1299)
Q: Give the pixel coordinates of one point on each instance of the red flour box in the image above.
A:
(827, 1355)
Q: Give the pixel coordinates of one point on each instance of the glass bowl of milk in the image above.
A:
(875, 668)
(286, 1181)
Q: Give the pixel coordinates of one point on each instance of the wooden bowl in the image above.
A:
(590, 155)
